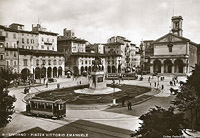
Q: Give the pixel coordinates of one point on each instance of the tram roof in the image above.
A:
(58, 101)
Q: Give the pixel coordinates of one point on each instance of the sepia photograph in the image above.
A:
(99, 69)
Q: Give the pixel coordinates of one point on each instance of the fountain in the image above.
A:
(97, 84)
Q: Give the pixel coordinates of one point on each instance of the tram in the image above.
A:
(48, 108)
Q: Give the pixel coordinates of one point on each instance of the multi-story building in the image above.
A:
(77, 60)
(46, 40)
(2, 52)
(95, 48)
(173, 53)
(26, 56)
(120, 55)
(146, 51)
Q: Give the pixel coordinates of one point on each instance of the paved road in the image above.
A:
(127, 121)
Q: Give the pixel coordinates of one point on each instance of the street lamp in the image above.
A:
(114, 100)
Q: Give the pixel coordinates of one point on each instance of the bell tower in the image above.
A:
(177, 25)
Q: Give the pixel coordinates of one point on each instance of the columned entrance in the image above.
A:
(109, 69)
(59, 71)
(168, 66)
(55, 72)
(25, 73)
(178, 64)
(43, 72)
(49, 70)
(37, 73)
(157, 66)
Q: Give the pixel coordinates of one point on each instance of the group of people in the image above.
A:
(174, 81)
(156, 84)
(129, 104)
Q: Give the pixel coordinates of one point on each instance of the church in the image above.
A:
(171, 53)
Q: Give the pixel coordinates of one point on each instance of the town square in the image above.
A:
(99, 69)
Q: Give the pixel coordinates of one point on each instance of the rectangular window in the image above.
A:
(1, 57)
(49, 62)
(42, 47)
(37, 62)
(7, 34)
(54, 62)
(22, 40)
(15, 63)
(15, 54)
(25, 62)
(170, 47)
(7, 54)
(43, 62)
(14, 36)
(7, 62)
(27, 41)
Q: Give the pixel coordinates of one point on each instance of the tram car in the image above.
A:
(47, 108)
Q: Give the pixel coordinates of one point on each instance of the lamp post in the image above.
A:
(114, 100)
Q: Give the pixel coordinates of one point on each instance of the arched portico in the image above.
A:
(157, 66)
(60, 71)
(178, 66)
(37, 73)
(55, 72)
(25, 73)
(109, 69)
(49, 71)
(168, 66)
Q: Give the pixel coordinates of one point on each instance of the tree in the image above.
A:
(189, 97)
(186, 100)
(159, 122)
(194, 79)
(6, 101)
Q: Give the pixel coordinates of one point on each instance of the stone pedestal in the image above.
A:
(97, 80)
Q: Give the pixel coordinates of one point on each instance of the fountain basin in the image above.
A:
(106, 90)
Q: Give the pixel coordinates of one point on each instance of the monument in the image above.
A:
(97, 75)
(97, 83)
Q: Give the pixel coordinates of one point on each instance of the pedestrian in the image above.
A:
(123, 103)
(162, 86)
(170, 83)
(47, 84)
(174, 83)
(80, 82)
(150, 84)
(154, 84)
(157, 85)
(149, 79)
(58, 85)
(129, 105)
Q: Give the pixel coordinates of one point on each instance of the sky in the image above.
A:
(98, 20)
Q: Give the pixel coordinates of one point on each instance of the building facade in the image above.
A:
(77, 60)
(121, 55)
(2, 52)
(173, 53)
(25, 55)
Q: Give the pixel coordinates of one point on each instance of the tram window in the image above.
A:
(33, 105)
(61, 106)
(41, 105)
(49, 107)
